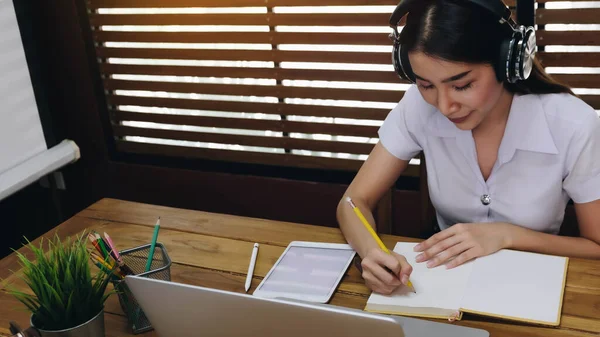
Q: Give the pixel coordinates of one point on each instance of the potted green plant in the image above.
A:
(66, 300)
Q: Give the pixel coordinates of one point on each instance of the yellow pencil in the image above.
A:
(372, 232)
(104, 264)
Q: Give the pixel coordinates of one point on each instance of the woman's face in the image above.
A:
(464, 93)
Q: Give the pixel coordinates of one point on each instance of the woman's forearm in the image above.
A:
(354, 231)
(526, 239)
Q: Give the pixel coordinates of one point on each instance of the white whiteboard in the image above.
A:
(21, 134)
(24, 154)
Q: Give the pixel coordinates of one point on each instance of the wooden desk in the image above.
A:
(213, 250)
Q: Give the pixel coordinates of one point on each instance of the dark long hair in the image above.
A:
(460, 31)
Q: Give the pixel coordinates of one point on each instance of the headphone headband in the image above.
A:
(516, 52)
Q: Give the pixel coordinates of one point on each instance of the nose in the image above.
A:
(446, 103)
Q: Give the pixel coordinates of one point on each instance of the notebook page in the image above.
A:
(436, 287)
(518, 285)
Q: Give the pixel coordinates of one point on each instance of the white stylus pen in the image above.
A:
(251, 266)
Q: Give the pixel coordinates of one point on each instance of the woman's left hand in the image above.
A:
(464, 242)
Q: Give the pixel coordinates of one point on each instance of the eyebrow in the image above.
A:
(449, 79)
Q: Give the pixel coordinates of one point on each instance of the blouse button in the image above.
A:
(485, 199)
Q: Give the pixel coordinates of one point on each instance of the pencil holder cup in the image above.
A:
(135, 259)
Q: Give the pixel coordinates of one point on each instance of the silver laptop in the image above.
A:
(176, 309)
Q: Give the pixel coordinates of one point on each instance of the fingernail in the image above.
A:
(429, 264)
(417, 248)
(404, 279)
(419, 258)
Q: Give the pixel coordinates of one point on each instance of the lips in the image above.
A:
(460, 119)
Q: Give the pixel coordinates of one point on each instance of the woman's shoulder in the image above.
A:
(567, 108)
(571, 121)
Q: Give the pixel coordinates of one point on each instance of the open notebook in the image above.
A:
(508, 284)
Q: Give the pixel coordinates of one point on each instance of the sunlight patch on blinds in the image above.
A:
(304, 86)
(290, 108)
(569, 37)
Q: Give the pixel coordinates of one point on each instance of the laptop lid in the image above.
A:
(176, 309)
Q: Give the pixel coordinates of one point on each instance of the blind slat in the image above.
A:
(339, 75)
(579, 80)
(159, 70)
(173, 3)
(570, 16)
(233, 139)
(268, 19)
(578, 38)
(332, 38)
(344, 2)
(566, 59)
(328, 19)
(246, 55)
(185, 54)
(239, 3)
(333, 57)
(255, 90)
(268, 108)
(254, 37)
(244, 3)
(184, 37)
(250, 124)
(178, 19)
(263, 73)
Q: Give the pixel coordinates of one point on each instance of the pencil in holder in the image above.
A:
(135, 259)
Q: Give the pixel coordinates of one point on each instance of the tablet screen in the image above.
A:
(308, 271)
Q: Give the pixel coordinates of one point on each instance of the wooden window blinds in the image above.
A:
(303, 83)
(568, 37)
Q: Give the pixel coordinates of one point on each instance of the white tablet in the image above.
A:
(307, 271)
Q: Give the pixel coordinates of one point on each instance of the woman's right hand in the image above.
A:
(380, 280)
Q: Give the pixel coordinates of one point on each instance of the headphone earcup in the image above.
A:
(401, 64)
(502, 66)
(526, 49)
(516, 55)
(396, 60)
(405, 64)
(511, 74)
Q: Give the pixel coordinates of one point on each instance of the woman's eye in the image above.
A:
(429, 86)
(464, 87)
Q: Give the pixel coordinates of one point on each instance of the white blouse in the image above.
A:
(550, 153)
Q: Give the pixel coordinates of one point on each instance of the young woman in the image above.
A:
(504, 154)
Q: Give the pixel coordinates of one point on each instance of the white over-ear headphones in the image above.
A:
(516, 54)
